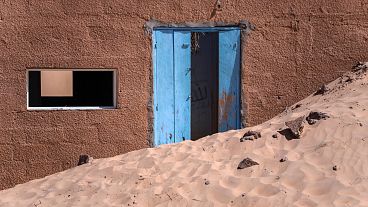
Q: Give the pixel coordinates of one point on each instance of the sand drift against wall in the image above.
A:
(325, 165)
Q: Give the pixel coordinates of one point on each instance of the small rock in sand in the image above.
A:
(321, 91)
(312, 121)
(246, 138)
(247, 162)
(360, 66)
(296, 106)
(294, 128)
(283, 159)
(250, 135)
(83, 159)
(334, 168)
(349, 79)
(313, 117)
(274, 136)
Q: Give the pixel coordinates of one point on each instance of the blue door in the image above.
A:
(182, 77)
(171, 57)
(172, 83)
(229, 80)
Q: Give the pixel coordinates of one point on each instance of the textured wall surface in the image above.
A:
(296, 46)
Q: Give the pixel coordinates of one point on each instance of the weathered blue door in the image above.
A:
(229, 80)
(172, 83)
(182, 77)
(171, 86)
(163, 79)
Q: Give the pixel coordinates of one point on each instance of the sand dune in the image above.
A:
(327, 165)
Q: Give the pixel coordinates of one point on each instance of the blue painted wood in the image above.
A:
(163, 69)
(196, 29)
(229, 80)
(182, 83)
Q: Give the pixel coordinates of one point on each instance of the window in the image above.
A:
(71, 89)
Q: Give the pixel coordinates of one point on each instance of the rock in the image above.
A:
(243, 139)
(206, 182)
(247, 162)
(321, 91)
(274, 136)
(360, 66)
(296, 106)
(83, 159)
(250, 135)
(312, 121)
(289, 135)
(334, 168)
(313, 117)
(348, 79)
(283, 159)
(294, 128)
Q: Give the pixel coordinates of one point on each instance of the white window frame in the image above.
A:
(72, 107)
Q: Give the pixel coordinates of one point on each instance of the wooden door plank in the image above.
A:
(182, 83)
(229, 80)
(163, 87)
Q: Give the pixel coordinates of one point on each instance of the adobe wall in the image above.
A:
(297, 45)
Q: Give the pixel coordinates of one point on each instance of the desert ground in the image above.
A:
(315, 153)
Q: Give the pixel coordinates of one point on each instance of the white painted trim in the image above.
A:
(69, 108)
(68, 69)
(27, 77)
(76, 107)
(115, 87)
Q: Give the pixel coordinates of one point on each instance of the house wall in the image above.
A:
(297, 45)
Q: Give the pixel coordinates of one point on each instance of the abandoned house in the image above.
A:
(105, 77)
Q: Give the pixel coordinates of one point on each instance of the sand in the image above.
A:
(327, 165)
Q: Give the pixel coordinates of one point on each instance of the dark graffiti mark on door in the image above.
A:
(199, 92)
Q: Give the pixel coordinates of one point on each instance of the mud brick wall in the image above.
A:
(297, 45)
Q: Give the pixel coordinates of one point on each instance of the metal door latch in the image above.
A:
(185, 46)
(188, 71)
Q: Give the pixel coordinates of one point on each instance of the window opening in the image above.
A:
(71, 89)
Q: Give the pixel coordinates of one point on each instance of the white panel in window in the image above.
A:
(57, 83)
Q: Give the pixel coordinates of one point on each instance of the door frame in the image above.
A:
(194, 29)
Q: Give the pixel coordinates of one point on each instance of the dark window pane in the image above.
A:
(90, 89)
